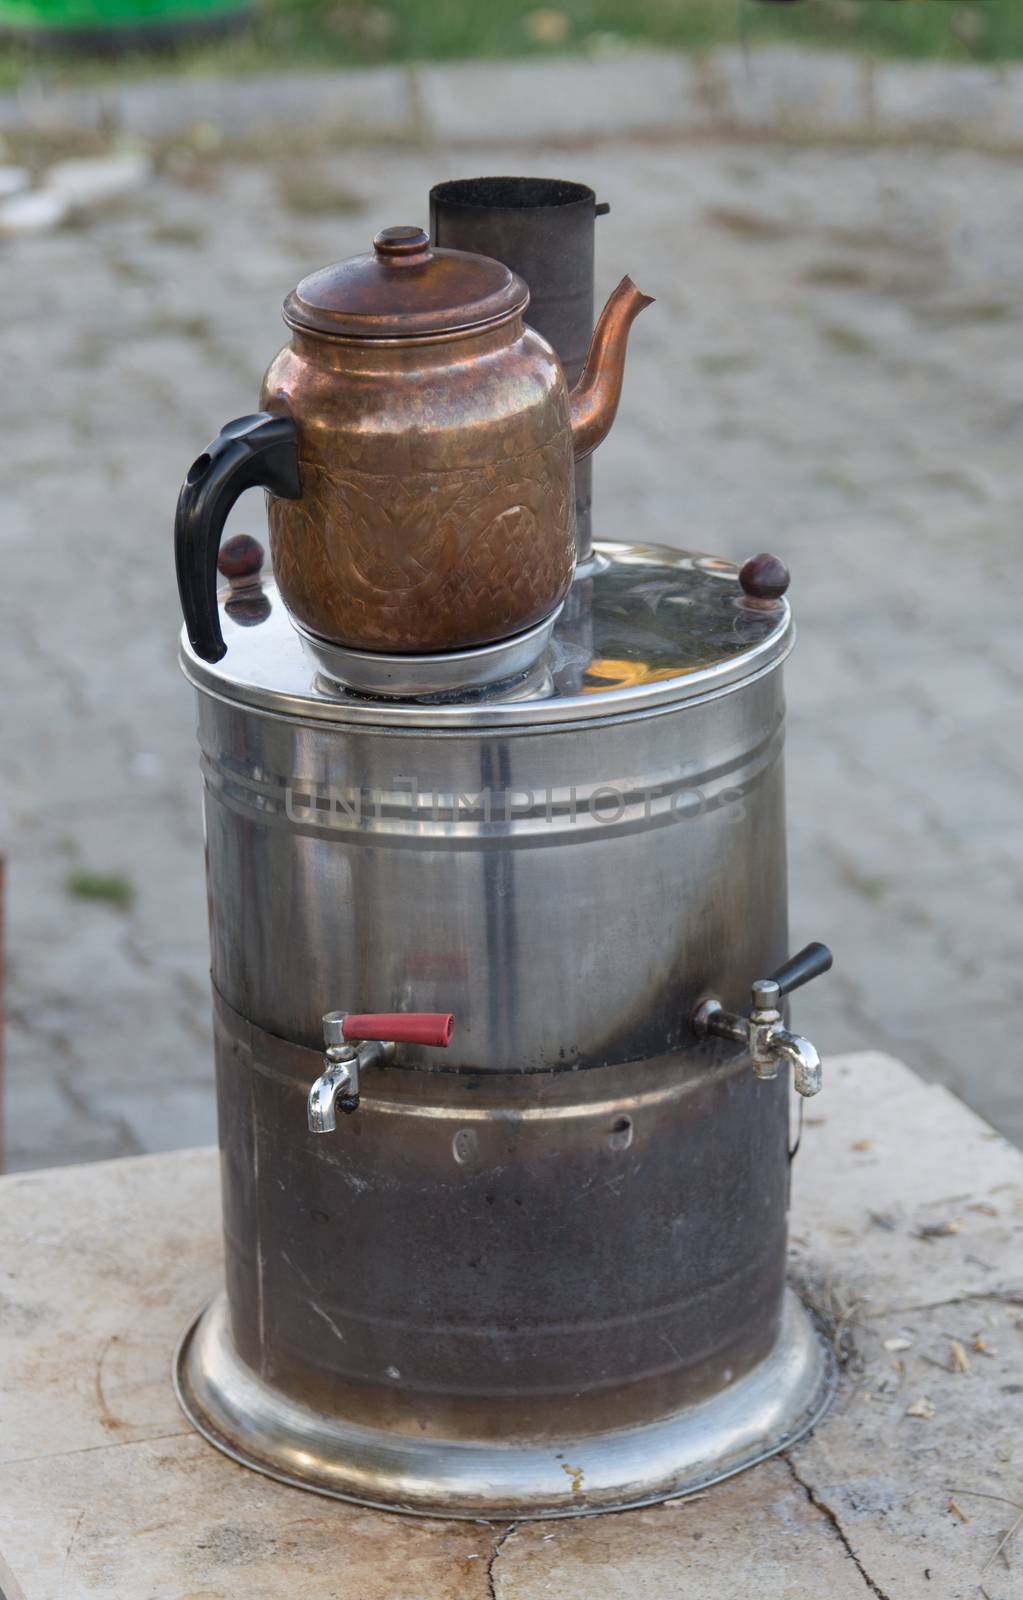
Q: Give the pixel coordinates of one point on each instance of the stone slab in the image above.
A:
(906, 1233)
(790, 91)
(374, 102)
(974, 101)
(560, 99)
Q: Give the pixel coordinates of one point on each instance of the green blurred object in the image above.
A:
(119, 23)
(283, 35)
(371, 31)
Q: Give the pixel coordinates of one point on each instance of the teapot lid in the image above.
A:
(404, 290)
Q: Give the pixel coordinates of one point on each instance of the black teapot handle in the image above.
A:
(248, 452)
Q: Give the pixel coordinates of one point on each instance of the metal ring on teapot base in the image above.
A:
(409, 677)
(759, 1414)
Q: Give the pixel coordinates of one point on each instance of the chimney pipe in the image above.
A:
(542, 228)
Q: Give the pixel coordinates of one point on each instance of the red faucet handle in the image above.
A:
(401, 1027)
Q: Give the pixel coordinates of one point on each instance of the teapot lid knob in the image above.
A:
(398, 242)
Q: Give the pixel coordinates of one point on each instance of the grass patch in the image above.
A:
(847, 340)
(748, 224)
(965, 314)
(305, 33)
(111, 888)
(838, 275)
(183, 234)
(197, 328)
(868, 885)
(723, 363)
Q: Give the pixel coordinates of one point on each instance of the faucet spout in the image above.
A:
(762, 1031)
(345, 1065)
(323, 1096)
(803, 1056)
(594, 400)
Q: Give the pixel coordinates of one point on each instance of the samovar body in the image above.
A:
(541, 1272)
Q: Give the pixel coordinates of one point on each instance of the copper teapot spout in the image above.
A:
(594, 400)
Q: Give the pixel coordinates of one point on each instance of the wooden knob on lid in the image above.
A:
(764, 577)
(240, 559)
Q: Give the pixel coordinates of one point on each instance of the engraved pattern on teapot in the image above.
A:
(499, 545)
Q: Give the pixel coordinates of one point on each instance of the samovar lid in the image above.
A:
(404, 290)
(643, 628)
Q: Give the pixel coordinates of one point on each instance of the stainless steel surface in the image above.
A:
(649, 627)
(334, 1028)
(405, 677)
(577, 1474)
(570, 889)
(508, 1261)
(570, 1226)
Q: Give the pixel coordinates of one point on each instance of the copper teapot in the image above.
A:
(416, 441)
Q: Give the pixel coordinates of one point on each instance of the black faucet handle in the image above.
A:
(811, 962)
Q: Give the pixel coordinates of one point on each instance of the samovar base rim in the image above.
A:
(761, 1413)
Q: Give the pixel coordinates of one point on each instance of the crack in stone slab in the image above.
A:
(867, 1311)
(91, 1449)
(498, 1546)
(832, 1516)
(1007, 1296)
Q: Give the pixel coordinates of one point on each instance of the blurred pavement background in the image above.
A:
(833, 371)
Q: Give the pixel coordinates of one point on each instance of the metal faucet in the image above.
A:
(763, 1033)
(355, 1041)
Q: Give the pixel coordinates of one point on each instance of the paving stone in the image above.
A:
(13, 180)
(974, 101)
(371, 101)
(779, 89)
(567, 99)
(1012, 77)
(32, 211)
(84, 181)
(790, 89)
(759, 1526)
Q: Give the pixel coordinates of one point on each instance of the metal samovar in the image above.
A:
(499, 959)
